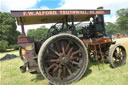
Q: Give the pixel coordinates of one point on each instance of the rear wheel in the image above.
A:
(117, 55)
(62, 59)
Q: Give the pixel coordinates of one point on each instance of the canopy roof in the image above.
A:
(54, 16)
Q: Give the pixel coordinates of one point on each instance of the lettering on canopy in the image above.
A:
(62, 12)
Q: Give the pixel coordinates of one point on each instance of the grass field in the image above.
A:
(11, 75)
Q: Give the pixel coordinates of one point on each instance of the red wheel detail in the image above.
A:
(64, 59)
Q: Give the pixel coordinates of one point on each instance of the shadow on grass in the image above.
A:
(8, 57)
(88, 71)
(93, 63)
(38, 77)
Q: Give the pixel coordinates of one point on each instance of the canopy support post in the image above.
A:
(66, 17)
(72, 18)
(22, 27)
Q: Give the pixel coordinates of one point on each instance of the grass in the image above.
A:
(10, 74)
(105, 76)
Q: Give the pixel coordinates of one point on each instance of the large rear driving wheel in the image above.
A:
(62, 59)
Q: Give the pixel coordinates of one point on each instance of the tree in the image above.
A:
(8, 31)
(3, 45)
(122, 20)
(121, 24)
(111, 28)
(38, 34)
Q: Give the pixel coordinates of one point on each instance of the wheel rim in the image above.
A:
(118, 56)
(64, 59)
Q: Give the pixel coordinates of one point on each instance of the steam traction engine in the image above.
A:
(63, 56)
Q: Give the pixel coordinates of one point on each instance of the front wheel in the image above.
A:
(63, 59)
(117, 55)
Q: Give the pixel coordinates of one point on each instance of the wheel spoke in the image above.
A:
(59, 73)
(52, 56)
(68, 69)
(116, 55)
(120, 50)
(67, 47)
(55, 69)
(54, 51)
(74, 62)
(75, 58)
(62, 44)
(53, 60)
(69, 52)
(73, 53)
(53, 65)
(64, 71)
(123, 52)
(57, 46)
(119, 53)
(76, 52)
(72, 66)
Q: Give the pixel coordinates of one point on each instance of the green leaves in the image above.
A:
(8, 33)
(122, 12)
(3, 45)
(122, 20)
(121, 24)
(38, 34)
(111, 28)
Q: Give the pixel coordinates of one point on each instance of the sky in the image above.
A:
(113, 5)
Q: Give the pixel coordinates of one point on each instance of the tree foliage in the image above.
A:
(111, 28)
(8, 33)
(3, 45)
(121, 24)
(122, 20)
(38, 34)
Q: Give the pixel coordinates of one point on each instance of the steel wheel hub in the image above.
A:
(65, 59)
